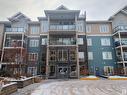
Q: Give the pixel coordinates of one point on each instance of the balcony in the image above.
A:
(120, 28)
(123, 43)
(62, 27)
(119, 57)
(62, 41)
(14, 43)
(15, 29)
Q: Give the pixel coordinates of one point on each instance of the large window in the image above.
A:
(80, 41)
(90, 55)
(32, 56)
(104, 28)
(105, 41)
(89, 42)
(34, 43)
(107, 55)
(35, 30)
(62, 55)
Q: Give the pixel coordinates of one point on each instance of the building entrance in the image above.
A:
(63, 72)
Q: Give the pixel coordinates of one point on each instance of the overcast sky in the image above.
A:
(95, 9)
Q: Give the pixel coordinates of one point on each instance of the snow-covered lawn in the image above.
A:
(78, 87)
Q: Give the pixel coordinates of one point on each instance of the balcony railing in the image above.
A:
(64, 41)
(62, 27)
(119, 57)
(14, 43)
(120, 28)
(15, 29)
(123, 42)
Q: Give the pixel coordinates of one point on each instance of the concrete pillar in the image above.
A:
(121, 49)
(2, 55)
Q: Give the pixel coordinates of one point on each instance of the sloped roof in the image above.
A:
(62, 7)
(123, 10)
(17, 16)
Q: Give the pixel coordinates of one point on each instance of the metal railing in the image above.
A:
(123, 42)
(62, 41)
(15, 29)
(15, 43)
(119, 57)
(62, 27)
(121, 28)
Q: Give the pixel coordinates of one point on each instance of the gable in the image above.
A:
(61, 8)
(18, 16)
(123, 10)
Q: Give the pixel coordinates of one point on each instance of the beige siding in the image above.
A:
(29, 30)
(1, 34)
(95, 28)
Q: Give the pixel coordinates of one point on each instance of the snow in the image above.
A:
(77, 87)
(13, 79)
(9, 84)
(91, 76)
(117, 77)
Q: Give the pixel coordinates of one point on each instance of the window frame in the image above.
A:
(107, 56)
(105, 42)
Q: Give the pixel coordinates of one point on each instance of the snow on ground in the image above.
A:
(117, 77)
(91, 76)
(78, 87)
(28, 89)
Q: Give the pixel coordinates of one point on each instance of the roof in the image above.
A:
(34, 22)
(62, 7)
(17, 16)
(62, 11)
(123, 10)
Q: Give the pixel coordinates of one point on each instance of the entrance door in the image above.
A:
(62, 72)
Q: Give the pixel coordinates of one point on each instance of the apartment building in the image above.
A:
(63, 44)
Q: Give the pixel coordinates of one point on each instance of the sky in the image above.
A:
(95, 9)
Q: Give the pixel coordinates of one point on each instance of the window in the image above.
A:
(34, 30)
(32, 56)
(80, 41)
(89, 42)
(105, 41)
(107, 55)
(44, 41)
(104, 28)
(34, 43)
(88, 28)
(81, 55)
(90, 55)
